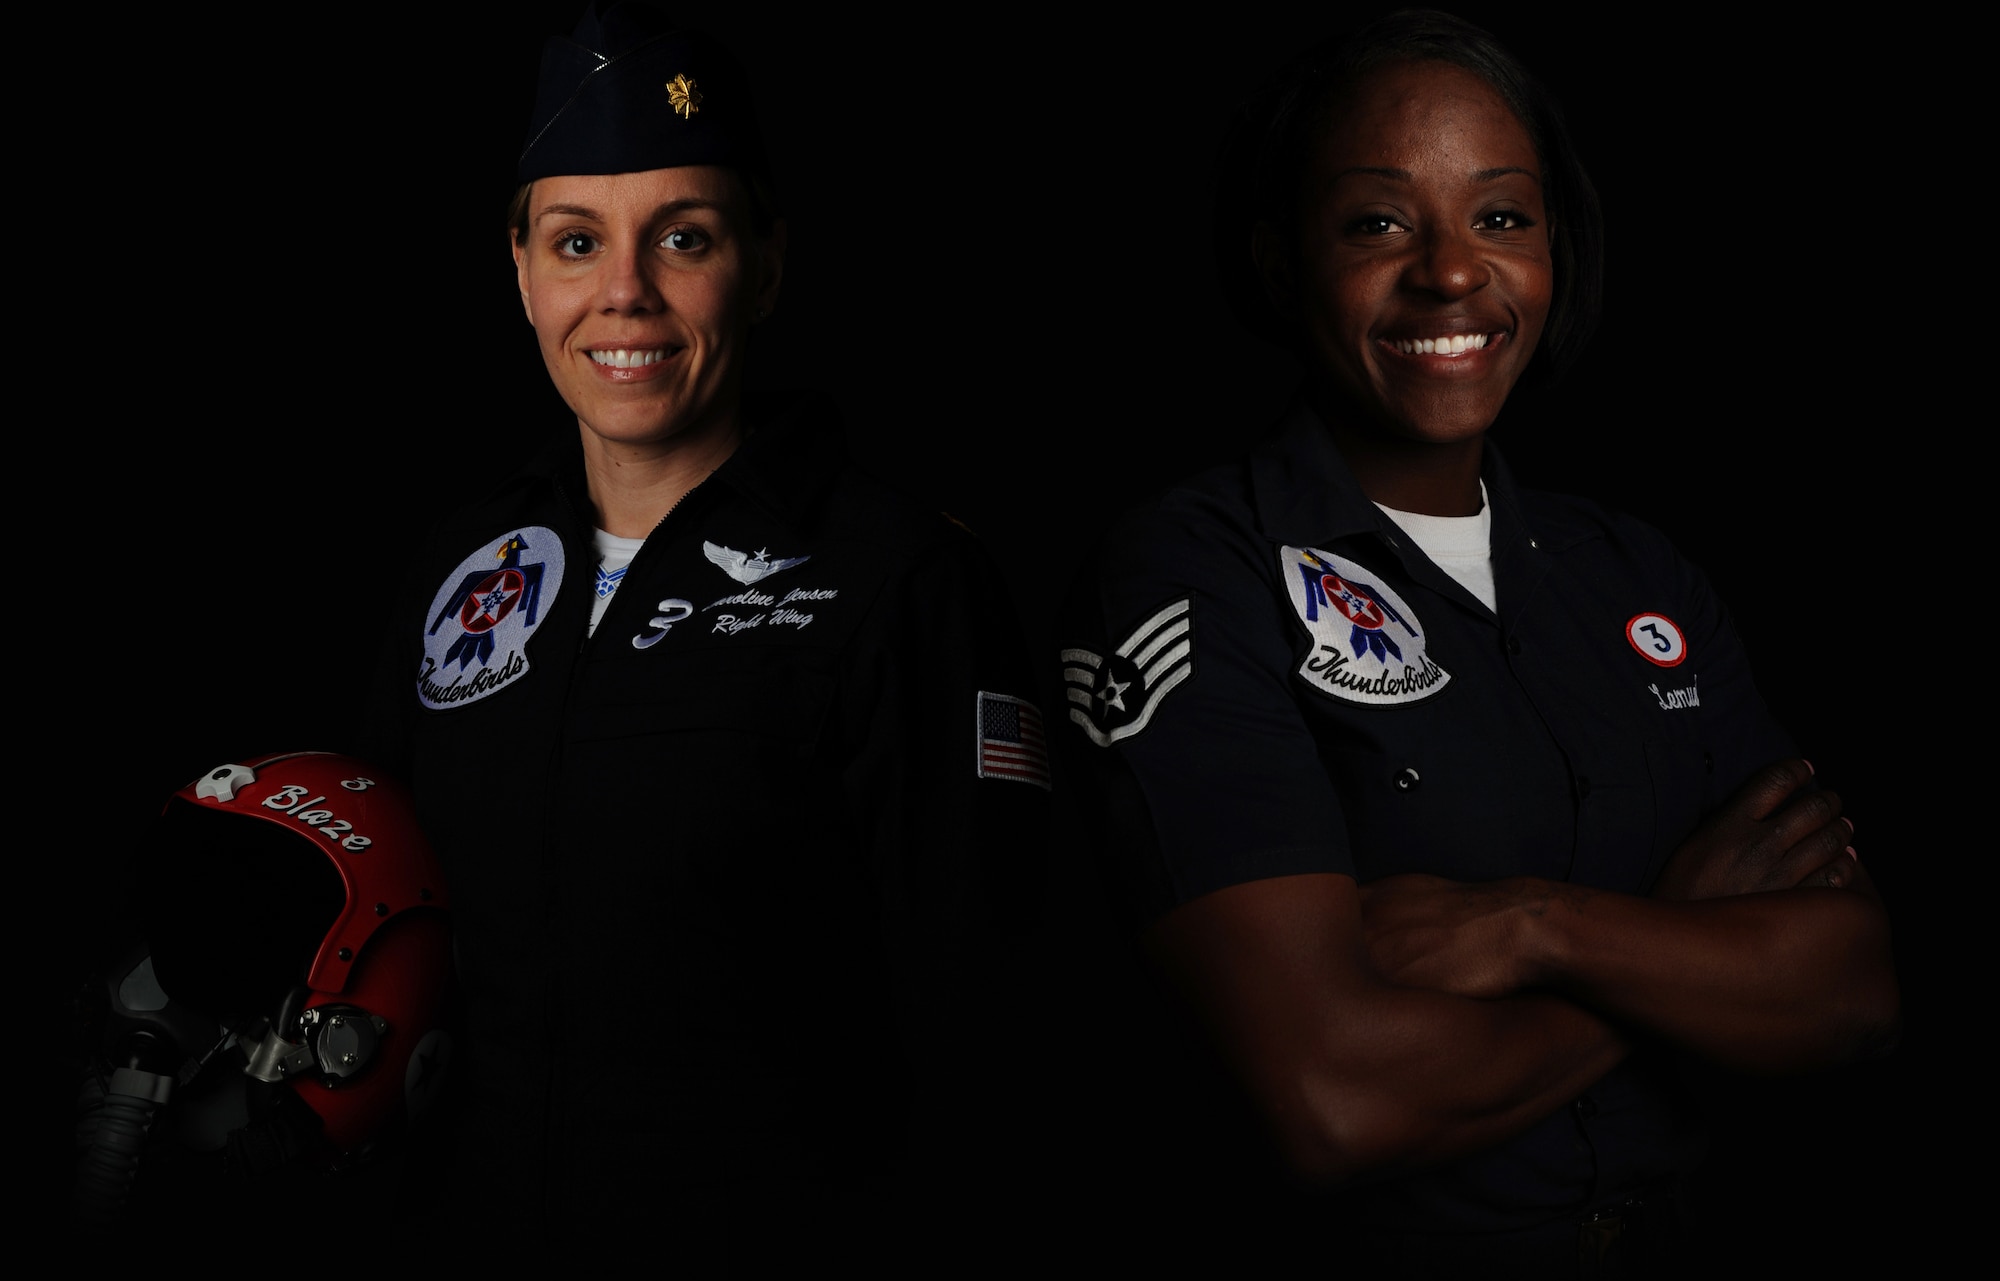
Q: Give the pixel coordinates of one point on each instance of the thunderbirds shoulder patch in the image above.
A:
(475, 640)
(1367, 645)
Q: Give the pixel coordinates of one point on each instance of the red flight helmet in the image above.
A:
(294, 898)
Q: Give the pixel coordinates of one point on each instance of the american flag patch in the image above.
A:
(1010, 740)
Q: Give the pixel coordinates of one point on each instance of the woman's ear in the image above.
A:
(521, 273)
(771, 269)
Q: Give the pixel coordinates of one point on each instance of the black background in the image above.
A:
(309, 344)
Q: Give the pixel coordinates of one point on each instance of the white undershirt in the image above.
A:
(613, 555)
(1462, 546)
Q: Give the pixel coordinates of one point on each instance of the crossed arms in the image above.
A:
(1387, 1027)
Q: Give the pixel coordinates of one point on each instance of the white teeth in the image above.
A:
(625, 358)
(1456, 345)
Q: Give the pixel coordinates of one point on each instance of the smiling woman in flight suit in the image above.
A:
(1450, 807)
(727, 750)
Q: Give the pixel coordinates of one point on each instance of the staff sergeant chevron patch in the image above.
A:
(1113, 696)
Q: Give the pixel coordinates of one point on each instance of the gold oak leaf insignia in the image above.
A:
(684, 96)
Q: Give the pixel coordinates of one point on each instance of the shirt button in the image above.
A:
(1513, 644)
(1407, 779)
(1585, 1108)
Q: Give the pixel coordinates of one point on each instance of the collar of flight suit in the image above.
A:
(787, 458)
(1307, 497)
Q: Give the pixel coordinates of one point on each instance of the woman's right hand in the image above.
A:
(1773, 834)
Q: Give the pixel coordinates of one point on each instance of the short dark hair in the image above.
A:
(1269, 144)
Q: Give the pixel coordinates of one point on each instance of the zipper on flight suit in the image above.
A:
(553, 789)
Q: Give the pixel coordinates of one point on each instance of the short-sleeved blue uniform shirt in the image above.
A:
(1264, 676)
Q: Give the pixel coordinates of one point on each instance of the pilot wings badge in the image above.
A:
(746, 569)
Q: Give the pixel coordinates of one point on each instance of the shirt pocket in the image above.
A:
(776, 699)
(704, 822)
(1430, 794)
(713, 751)
(1678, 769)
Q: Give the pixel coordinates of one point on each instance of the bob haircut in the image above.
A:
(1269, 143)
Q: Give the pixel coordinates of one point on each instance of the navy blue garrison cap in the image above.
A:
(631, 91)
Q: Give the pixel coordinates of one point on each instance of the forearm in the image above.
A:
(1438, 1077)
(1762, 982)
(1361, 1078)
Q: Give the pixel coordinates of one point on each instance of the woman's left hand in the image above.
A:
(1775, 833)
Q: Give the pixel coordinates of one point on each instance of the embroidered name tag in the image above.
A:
(1367, 646)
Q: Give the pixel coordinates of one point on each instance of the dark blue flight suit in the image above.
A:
(724, 870)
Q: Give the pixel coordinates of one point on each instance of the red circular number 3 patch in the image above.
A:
(1657, 638)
